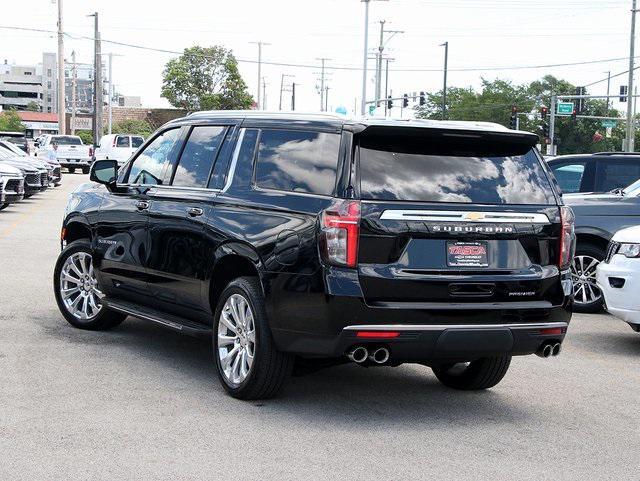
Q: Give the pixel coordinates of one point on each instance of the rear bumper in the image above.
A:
(80, 163)
(325, 323)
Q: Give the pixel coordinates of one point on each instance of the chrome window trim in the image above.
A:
(180, 188)
(465, 216)
(234, 160)
(440, 327)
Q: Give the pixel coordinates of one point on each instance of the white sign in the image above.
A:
(82, 123)
(41, 125)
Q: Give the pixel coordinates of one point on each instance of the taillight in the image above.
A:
(567, 237)
(90, 151)
(340, 225)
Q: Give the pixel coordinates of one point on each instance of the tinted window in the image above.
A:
(569, 176)
(136, 142)
(122, 141)
(297, 161)
(147, 167)
(451, 173)
(66, 140)
(198, 156)
(616, 174)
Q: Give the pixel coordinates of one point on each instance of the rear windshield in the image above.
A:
(452, 172)
(66, 140)
(136, 142)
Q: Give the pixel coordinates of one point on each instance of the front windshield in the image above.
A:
(633, 189)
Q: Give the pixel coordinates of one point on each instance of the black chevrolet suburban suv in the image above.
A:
(313, 240)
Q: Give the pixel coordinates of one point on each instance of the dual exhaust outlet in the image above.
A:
(549, 349)
(360, 354)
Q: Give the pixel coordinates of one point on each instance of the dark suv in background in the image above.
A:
(315, 239)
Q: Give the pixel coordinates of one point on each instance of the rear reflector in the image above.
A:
(377, 334)
(552, 331)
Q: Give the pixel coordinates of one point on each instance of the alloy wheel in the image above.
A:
(583, 274)
(79, 287)
(236, 339)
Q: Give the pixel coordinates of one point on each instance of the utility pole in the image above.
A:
(322, 80)
(444, 89)
(386, 86)
(264, 93)
(363, 101)
(74, 87)
(97, 83)
(608, 90)
(61, 93)
(109, 106)
(551, 148)
(379, 59)
(293, 96)
(282, 89)
(259, 44)
(630, 119)
(326, 99)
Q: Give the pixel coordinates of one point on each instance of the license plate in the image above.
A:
(467, 254)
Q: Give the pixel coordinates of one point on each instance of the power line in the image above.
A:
(336, 67)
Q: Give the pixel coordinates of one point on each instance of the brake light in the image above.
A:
(567, 237)
(90, 151)
(113, 144)
(63, 233)
(340, 225)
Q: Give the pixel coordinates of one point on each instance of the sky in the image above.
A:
(484, 35)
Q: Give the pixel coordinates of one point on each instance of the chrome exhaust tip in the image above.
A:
(380, 355)
(557, 347)
(545, 350)
(358, 354)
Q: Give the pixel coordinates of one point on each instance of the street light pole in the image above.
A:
(608, 90)
(259, 43)
(62, 128)
(363, 101)
(630, 119)
(444, 89)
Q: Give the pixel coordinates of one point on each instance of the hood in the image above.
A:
(6, 169)
(594, 204)
(630, 234)
(24, 168)
(28, 162)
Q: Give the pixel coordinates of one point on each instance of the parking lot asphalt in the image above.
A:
(140, 402)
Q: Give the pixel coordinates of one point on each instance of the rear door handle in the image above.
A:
(142, 205)
(195, 211)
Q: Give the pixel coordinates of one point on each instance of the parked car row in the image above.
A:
(22, 175)
(604, 191)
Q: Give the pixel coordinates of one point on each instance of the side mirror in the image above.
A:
(104, 172)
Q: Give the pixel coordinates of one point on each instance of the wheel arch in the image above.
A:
(233, 260)
(596, 237)
(76, 228)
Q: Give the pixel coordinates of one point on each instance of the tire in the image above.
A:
(477, 375)
(71, 170)
(96, 319)
(85, 170)
(585, 252)
(4, 206)
(269, 368)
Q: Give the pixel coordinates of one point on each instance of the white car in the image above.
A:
(119, 147)
(68, 150)
(618, 276)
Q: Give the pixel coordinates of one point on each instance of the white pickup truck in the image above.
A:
(68, 150)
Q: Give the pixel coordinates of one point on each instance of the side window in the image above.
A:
(297, 161)
(147, 168)
(122, 141)
(616, 174)
(198, 156)
(136, 142)
(569, 176)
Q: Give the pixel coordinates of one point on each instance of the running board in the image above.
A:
(175, 323)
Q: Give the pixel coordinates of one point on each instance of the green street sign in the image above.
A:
(565, 108)
(608, 123)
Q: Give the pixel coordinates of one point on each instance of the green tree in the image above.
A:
(130, 126)
(86, 136)
(33, 107)
(10, 122)
(204, 78)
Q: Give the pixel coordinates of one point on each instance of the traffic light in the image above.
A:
(423, 98)
(574, 115)
(581, 102)
(545, 129)
(544, 111)
(405, 101)
(513, 124)
(624, 90)
(389, 103)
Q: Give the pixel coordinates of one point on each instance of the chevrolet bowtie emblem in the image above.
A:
(474, 216)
